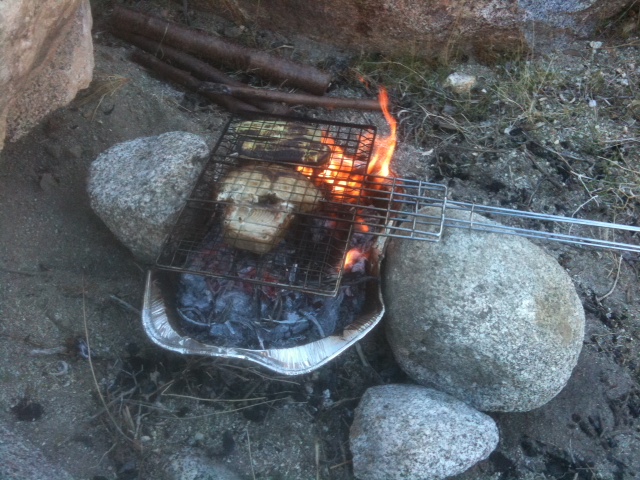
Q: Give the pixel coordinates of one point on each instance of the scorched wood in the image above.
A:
(199, 69)
(281, 71)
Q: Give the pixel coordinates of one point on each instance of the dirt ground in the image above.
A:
(66, 282)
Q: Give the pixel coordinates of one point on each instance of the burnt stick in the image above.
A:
(199, 69)
(281, 71)
(185, 79)
(292, 98)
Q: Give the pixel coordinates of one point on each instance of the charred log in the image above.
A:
(281, 71)
(196, 67)
(185, 79)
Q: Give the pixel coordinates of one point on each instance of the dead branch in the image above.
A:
(199, 69)
(292, 98)
(279, 70)
(185, 79)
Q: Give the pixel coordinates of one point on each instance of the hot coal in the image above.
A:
(232, 312)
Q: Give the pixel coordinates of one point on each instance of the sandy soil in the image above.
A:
(66, 281)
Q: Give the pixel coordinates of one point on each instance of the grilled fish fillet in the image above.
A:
(262, 201)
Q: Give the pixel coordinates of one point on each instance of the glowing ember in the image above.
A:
(345, 175)
(355, 261)
(341, 174)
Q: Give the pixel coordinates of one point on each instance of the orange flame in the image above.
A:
(384, 148)
(347, 180)
(344, 175)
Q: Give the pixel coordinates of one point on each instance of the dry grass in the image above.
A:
(574, 114)
(103, 86)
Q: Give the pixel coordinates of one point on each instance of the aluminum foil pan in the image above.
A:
(159, 320)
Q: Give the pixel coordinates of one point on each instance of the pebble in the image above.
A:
(460, 83)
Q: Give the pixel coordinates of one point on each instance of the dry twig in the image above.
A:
(615, 282)
(132, 441)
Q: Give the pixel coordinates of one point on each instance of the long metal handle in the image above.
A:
(607, 231)
(420, 210)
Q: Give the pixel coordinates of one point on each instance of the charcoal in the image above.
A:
(231, 313)
(244, 304)
(194, 292)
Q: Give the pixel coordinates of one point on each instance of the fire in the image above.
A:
(341, 174)
(346, 178)
(345, 175)
(355, 261)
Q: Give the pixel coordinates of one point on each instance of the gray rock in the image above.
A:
(20, 460)
(437, 28)
(191, 465)
(139, 187)
(490, 319)
(413, 432)
(46, 57)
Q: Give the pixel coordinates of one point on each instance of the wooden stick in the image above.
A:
(198, 68)
(291, 98)
(185, 79)
(282, 71)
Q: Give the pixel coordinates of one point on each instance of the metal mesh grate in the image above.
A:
(270, 206)
(283, 202)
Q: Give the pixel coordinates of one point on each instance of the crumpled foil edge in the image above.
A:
(288, 361)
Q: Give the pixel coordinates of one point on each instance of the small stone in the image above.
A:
(449, 109)
(409, 431)
(75, 151)
(54, 150)
(48, 183)
(138, 188)
(460, 83)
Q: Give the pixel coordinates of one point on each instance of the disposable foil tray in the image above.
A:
(160, 322)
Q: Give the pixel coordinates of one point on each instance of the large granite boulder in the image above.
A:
(429, 28)
(409, 431)
(138, 188)
(46, 56)
(490, 319)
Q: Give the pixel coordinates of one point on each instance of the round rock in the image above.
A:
(410, 431)
(138, 188)
(491, 319)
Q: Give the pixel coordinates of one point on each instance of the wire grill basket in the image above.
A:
(281, 202)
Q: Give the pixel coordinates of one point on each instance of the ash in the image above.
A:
(231, 312)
